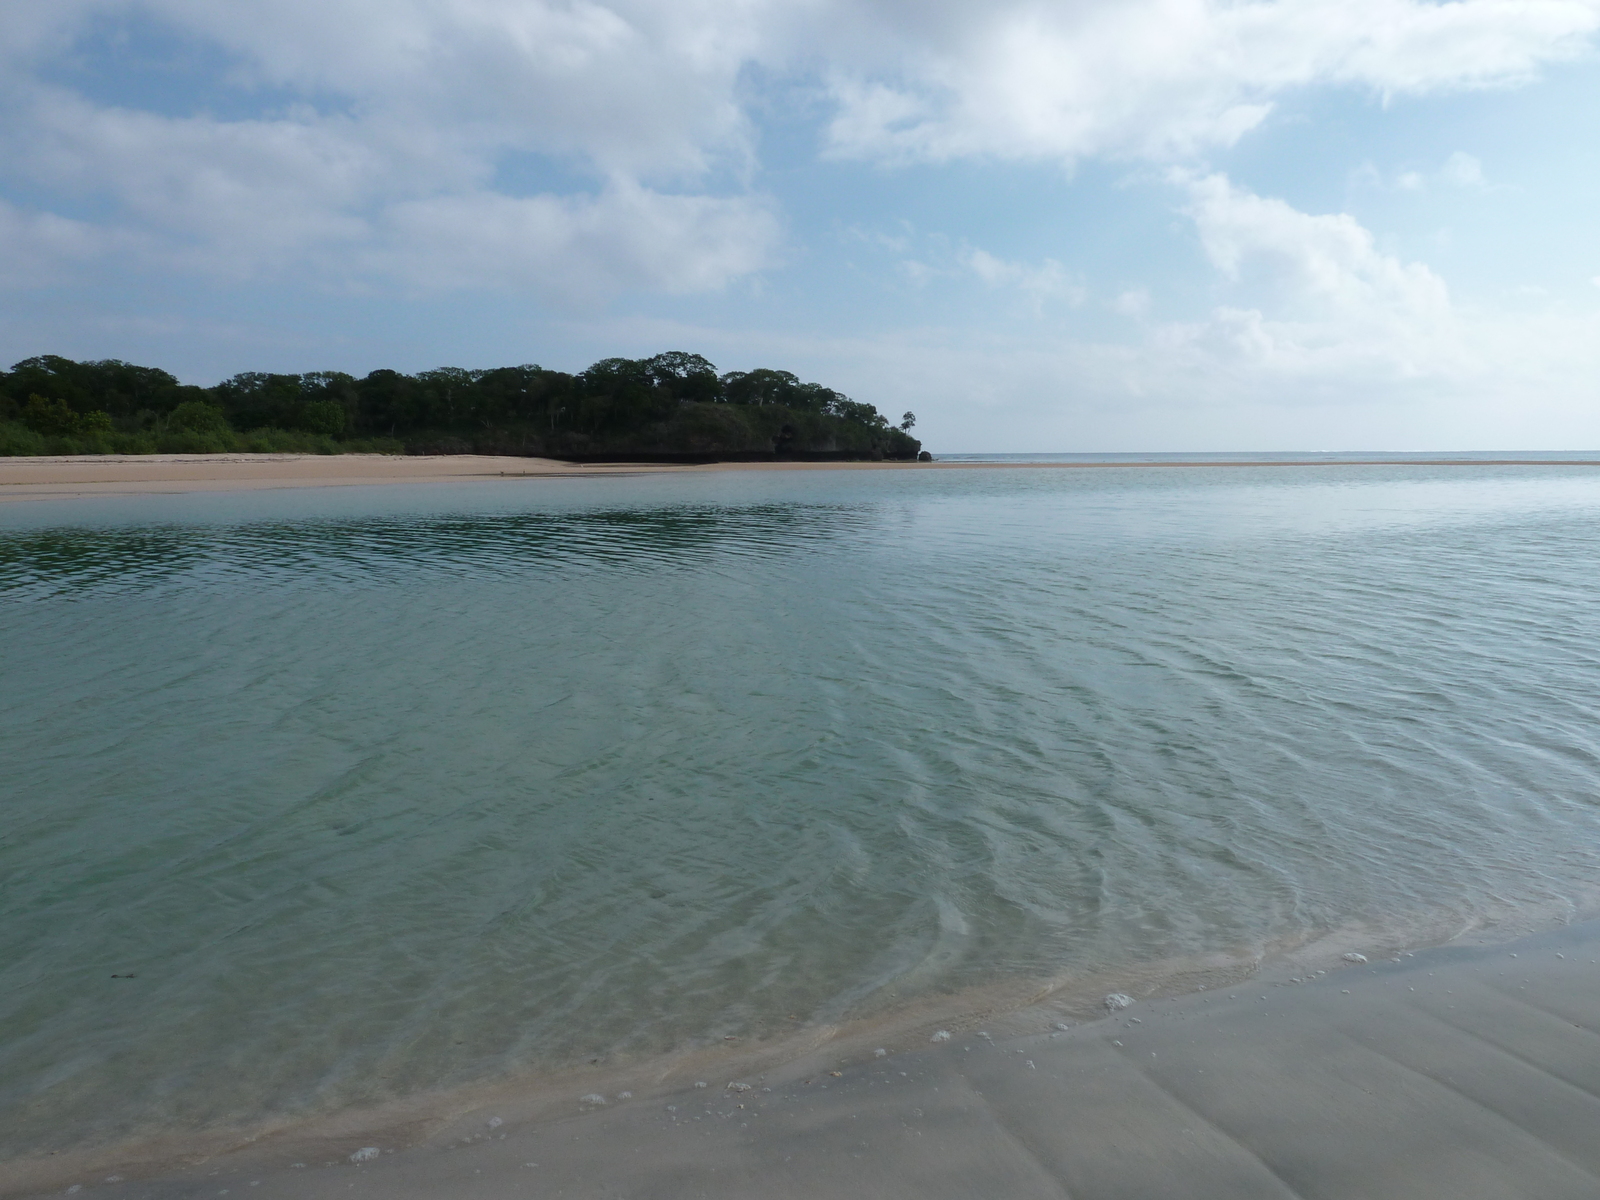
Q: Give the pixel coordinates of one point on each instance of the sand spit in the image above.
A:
(113, 475)
(1460, 1072)
(62, 478)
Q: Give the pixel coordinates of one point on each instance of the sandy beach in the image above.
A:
(113, 475)
(1460, 1072)
(70, 477)
(64, 478)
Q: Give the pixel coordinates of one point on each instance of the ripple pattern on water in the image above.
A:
(312, 800)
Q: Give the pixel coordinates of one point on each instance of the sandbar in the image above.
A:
(1457, 1072)
(80, 476)
(63, 478)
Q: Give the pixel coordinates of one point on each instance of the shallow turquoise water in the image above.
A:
(380, 789)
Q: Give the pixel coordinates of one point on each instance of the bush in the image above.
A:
(97, 441)
(271, 440)
(53, 418)
(372, 446)
(197, 416)
(195, 441)
(49, 418)
(17, 440)
(324, 417)
(133, 443)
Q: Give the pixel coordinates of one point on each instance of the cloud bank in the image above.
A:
(1163, 79)
(381, 128)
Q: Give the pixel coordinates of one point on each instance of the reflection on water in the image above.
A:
(317, 799)
(62, 561)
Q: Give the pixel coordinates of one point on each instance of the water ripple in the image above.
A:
(312, 808)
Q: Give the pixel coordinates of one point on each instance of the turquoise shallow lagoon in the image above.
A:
(316, 798)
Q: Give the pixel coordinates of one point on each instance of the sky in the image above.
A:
(1079, 226)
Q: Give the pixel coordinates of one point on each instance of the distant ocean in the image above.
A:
(317, 798)
(1289, 457)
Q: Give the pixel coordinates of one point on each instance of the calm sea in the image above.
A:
(314, 798)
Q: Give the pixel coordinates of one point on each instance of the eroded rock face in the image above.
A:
(924, 456)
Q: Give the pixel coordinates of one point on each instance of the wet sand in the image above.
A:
(62, 478)
(1460, 1072)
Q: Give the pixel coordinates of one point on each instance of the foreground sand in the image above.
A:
(64, 478)
(1460, 1073)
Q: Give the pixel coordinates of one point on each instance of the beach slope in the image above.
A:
(1458, 1072)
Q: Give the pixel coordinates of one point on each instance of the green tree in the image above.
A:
(196, 416)
(122, 390)
(685, 376)
(52, 418)
(761, 387)
(671, 404)
(254, 399)
(323, 416)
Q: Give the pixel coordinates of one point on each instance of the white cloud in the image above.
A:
(224, 195)
(1161, 78)
(1134, 302)
(1338, 306)
(1459, 170)
(586, 247)
(630, 85)
(1329, 261)
(1464, 171)
(1210, 385)
(345, 203)
(387, 165)
(1316, 339)
(937, 260)
(1047, 281)
(41, 248)
(388, 169)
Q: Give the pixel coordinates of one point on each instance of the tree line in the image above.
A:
(672, 406)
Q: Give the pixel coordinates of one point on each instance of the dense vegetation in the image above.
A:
(674, 405)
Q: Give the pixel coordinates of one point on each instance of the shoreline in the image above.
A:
(85, 476)
(531, 1103)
